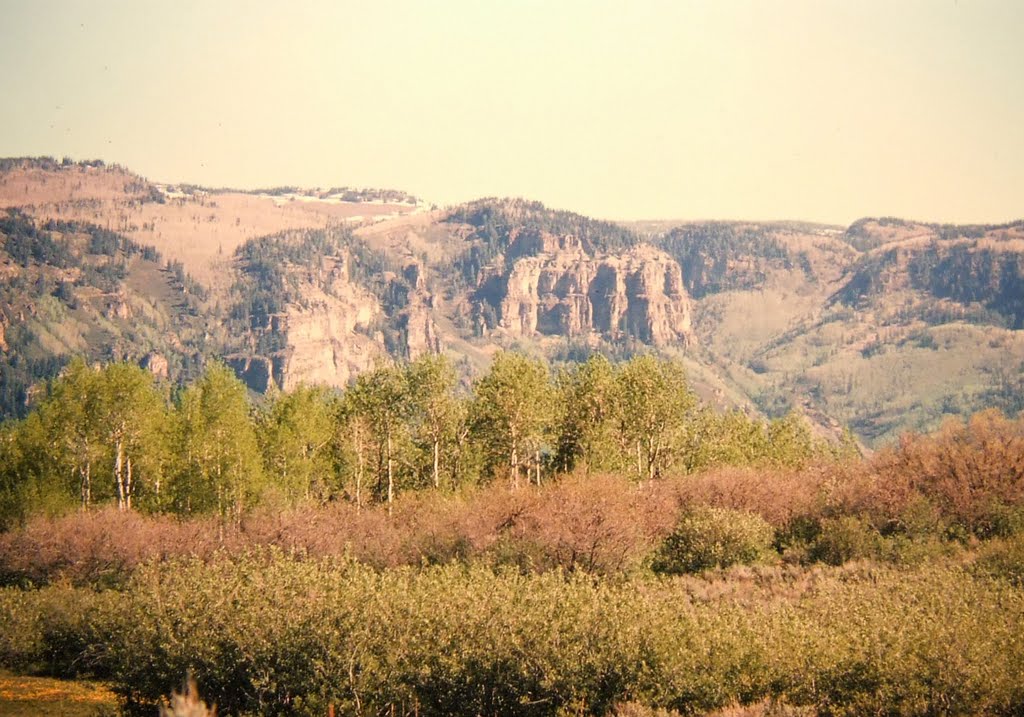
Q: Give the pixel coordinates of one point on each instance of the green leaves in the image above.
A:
(271, 634)
(511, 414)
(436, 412)
(296, 434)
(715, 538)
(109, 435)
(218, 465)
(654, 403)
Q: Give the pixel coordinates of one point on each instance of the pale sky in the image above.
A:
(818, 110)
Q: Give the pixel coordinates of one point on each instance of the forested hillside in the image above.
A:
(884, 326)
(77, 289)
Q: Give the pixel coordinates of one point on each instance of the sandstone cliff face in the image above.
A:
(337, 330)
(563, 291)
(324, 343)
(323, 337)
(419, 333)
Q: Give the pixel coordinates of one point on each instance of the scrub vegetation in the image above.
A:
(591, 541)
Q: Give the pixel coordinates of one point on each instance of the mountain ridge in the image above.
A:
(292, 286)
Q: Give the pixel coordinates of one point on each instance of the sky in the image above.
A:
(719, 109)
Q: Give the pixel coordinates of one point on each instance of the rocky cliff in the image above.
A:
(563, 291)
(537, 272)
(332, 326)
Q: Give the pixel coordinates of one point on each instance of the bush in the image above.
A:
(57, 630)
(778, 495)
(714, 538)
(99, 548)
(972, 472)
(597, 524)
(270, 634)
(1003, 559)
(845, 538)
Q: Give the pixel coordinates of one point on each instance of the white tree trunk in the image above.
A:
(391, 477)
(437, 463)
(128, 485)
(119, 473)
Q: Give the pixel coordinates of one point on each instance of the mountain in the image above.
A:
(883, 326)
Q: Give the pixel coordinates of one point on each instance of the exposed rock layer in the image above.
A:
(563, 291)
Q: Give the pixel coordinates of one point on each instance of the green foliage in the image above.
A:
(296, 433)
(400, 428)
(270, 634)
(26, 244)
(381, 399)
(94, 424)
(790, 442)
(59, 299)
(1003, 559)
(56, 631)
(708, 252)
(511, 414)
(436, 415)
(708, 538)
(589, 405)
(845, 538)
(218, 465)
(654, 404)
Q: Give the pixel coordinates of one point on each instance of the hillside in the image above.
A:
(883, 326)
(77, 289)
(886, 326)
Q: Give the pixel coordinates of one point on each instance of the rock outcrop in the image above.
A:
(338, 328)
(327, 343)
(561, 290)
(156, 364)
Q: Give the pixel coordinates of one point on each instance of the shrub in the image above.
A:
(271, 634)
(1003, 559)
(56, 630)
(596, 524)
(973, 472)
(845, 538)
(99, 548)
(714, 538)
(778, 495)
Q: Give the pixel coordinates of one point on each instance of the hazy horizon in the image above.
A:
(817, 111)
